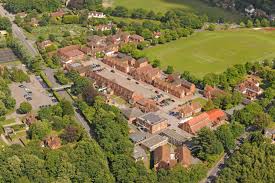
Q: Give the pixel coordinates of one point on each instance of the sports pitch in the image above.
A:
(206, 52)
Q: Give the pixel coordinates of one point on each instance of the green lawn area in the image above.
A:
(206, 52)
(55, 29)
(131, 20)
(7, 121)
(164, 5)
(201, 101)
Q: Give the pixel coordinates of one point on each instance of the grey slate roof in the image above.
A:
(131, 113)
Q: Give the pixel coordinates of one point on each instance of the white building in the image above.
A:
(95, 14)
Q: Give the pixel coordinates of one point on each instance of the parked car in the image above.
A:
(112, 71)
(29, 98)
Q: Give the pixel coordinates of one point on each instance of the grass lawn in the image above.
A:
(56, 30)
(132, 20)
(164, 5)
(7, 122)
(201, 101)
(207, 52)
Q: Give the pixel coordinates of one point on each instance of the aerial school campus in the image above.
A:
(137, 91)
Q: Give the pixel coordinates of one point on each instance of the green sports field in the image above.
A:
(164, 5)
(206, 52)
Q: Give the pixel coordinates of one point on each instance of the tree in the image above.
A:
(226, 137)
(25, 107)
(211, 27)
(208, 144)
(271, 112)
(265, 22)
(9, 102)
(242, 25)
(237, 129)
(169, 70)
(71, 134)
(156, 63)
(39, 130)
(249, 24)
(3, 109)
(89, 93)
(256, 157)
(5, 24)
(257, 23)
(209, 105)
(67, 108)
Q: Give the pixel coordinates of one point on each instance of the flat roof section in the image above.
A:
(152, 118)
(129, 84)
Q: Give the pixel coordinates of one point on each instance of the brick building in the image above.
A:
(216, 116)
(136, 38)
(147, 74)
(120, 90)
(151, 122)
(196, 124)
(189, 109)
(212, 92)
(146, 105)
(172, 88)
(53, 142)
(117, 63)
(70, 54)
(250, 88)
(207, 119)
(166, 157)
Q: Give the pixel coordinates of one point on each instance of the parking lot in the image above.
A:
(32, 92)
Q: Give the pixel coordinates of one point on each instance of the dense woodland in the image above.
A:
(253, 162)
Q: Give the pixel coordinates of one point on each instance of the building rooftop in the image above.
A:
(173, 134)
(131, 113)
(154, 142)
(129, 84)
(139, 152)
(137, 137)
(152, 118)
(215, 114)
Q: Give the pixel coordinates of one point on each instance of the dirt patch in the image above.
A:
(107, 3)
(269, 29)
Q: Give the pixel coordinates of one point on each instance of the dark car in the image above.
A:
(112, 71)
(29, 98)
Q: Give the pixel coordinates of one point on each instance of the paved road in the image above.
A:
(18, 33)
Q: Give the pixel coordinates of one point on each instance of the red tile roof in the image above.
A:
(216, 114)
(197, 123)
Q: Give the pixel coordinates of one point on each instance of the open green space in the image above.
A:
(164, 5)
(57, 30)
(206, 52)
